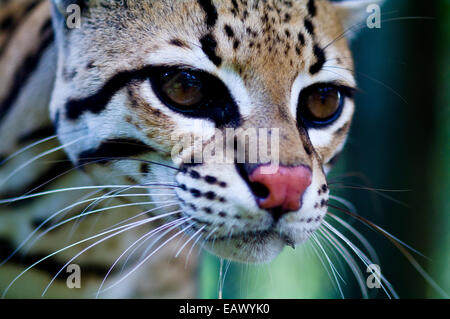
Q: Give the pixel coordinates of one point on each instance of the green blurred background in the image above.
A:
(400, 140)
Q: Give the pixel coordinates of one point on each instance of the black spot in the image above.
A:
(236, 44)
(223, 214)
(195, 192)
(113, 149)
(207, 210)
(324, 188)
(210, 10)
(145, 168)
(194, 174)
(229, 31)
(287, 18)
(210, 195)
(178, 43)
(301, 38)
(209, 46)
(210, 179)
(309, 26)
(321, 59)
(312, 9)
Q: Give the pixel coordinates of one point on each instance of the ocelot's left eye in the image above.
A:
(321, 104)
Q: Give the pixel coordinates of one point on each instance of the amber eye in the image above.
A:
(182, 88)
(321, 104)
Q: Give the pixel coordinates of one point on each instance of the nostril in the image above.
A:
(259, 190)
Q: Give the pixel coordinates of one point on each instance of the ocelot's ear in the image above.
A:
(354, 14)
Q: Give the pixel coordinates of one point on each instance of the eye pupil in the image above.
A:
(182, 88)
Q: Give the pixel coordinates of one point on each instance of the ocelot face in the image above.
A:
(137, 74)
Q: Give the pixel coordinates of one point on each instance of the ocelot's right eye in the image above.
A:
(183, 89)
(194, 93)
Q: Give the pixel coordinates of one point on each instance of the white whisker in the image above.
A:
(124, 228)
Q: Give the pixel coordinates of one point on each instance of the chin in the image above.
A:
(250, 248)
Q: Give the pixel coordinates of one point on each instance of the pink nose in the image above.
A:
(285, 187)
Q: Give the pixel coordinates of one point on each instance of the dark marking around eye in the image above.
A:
(307, 150)
(321, 59)
(97, 102)
(209, 46)
(113, 149)
(312, 9)
(210, 11)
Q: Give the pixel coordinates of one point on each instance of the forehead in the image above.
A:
(238, 34)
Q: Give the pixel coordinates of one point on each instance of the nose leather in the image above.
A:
(285, 187)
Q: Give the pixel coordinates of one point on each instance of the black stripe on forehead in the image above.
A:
(209, 46)
(312, 10)
(210, 10)
(321, 59)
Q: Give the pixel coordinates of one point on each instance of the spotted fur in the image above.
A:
(95, 83)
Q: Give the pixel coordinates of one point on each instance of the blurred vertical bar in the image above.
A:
(441, 160)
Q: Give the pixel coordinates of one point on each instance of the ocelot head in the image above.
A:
(134, 75)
